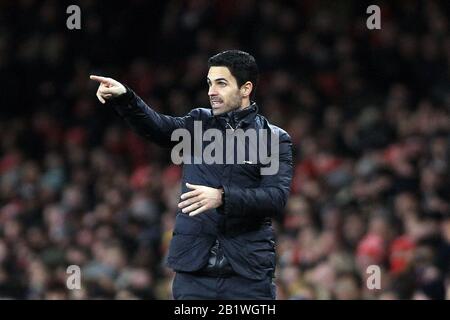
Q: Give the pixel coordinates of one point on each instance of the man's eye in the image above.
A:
(222, 84)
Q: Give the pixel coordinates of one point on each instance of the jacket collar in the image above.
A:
(238, 117)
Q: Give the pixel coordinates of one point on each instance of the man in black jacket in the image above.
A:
(223, 244)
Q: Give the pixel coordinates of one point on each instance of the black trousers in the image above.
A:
(187, 286)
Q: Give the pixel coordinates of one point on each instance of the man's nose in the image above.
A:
(212, 91)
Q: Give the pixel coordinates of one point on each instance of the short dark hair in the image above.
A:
(242, 66)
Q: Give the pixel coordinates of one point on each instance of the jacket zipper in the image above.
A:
(219, 254)
(237, 126)
(228, 124)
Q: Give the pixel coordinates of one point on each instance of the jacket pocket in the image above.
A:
(189, 248)
(184, 224)
(260, 248)
(262, 253)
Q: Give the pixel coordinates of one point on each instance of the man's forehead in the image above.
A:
(219, 72)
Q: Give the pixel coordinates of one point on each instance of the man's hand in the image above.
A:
(200, 199)
(109, 88)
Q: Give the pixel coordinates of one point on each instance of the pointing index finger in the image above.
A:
(99, 79)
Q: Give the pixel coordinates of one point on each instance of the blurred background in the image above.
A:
(367, 110)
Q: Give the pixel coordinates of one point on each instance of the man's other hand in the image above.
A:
(200, 199)
(108, 88)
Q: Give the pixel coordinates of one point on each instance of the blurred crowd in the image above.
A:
(367, 110)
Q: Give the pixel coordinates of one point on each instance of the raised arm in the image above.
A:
(143, 119)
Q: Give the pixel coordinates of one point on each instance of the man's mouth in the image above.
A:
(215, 103)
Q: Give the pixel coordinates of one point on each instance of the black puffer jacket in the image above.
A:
(243, 224)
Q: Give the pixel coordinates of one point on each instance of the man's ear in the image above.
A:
(246, 89)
